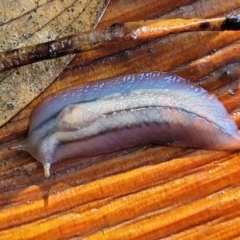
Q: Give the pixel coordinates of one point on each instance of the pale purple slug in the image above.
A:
(125, 112)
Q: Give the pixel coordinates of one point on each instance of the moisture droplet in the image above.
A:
(231, 91)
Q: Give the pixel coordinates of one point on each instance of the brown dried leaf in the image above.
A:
(25, 23)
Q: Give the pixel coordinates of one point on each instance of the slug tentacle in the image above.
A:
(127, 112)
(18, 146)
(47, 169)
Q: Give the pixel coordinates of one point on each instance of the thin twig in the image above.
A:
(117, 32)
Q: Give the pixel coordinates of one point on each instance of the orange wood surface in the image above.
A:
(147, 193)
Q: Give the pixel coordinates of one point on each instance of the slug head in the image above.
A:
(25, 146)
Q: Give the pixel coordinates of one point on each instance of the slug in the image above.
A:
(124, 112)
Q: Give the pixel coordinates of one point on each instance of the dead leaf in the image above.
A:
(24, 23)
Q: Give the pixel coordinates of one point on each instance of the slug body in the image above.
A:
(124, 112)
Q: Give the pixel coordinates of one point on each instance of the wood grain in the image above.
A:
(147, 193)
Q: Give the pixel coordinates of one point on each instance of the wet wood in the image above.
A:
(148, 193)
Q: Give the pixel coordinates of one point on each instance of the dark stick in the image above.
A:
(117, 32)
